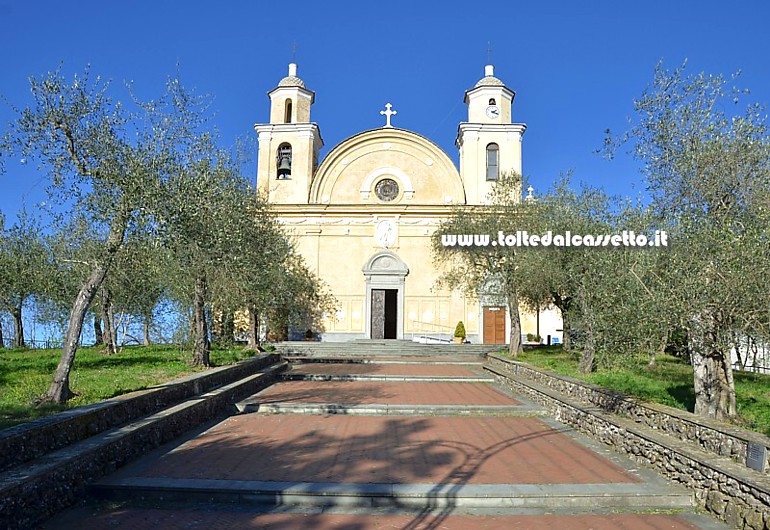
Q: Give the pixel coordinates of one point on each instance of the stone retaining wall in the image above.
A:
(699, 454)
(39, 489)
(31, 440)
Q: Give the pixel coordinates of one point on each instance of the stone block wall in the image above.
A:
(702, 455)
(31, 440)
(34, 491)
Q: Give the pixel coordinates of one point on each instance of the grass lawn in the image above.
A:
(670, 383)
(26, 374)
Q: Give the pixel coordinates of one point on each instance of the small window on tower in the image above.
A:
(493, 162)
(283, 161)
(492, 101)
(287, 115)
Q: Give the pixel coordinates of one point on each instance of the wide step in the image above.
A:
(385, 409)
(399, 378)
(384, 348)
(347, 495)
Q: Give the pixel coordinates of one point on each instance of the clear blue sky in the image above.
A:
(575, 66)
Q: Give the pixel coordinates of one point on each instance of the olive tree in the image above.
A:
(707, 164)
(25, 268)
(608, 294)
(485, 270)
(104, 162)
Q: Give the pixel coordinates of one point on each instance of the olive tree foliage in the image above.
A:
(67, 241)
(268, 278)
(256, 249)
(200, 229)
(132, 291)
(229, 253)
(489, 272)
(600, 289)
(298, 299)
(258, 287)
(2, 268)
(25, 269)
(105, 163)
(558, 274)
(707, 163)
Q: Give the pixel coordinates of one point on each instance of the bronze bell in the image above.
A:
(284, 167)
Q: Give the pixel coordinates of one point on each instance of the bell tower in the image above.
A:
(289, 144)
(489, 143)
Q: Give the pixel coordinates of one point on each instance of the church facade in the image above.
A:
(363, 216)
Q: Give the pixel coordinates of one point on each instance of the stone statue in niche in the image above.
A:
(385, 233)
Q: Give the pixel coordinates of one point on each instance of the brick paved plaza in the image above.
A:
(443, 466)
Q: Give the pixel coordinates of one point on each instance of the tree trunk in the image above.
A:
(99, 336)
(18, 326)
(515, 347)
(652, 364)
(59, 391)
(201, 344)
(253, 331)
(710, 381)
(564, 306)
(712, 373)
(227, 328)
(2, 340)
(147, 324)
(586, 364)
(737, 346)
(732, 408)
(566, 331)
(587, 357)
(109, 334)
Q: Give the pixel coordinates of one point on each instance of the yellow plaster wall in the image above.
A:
(418, 166)
(338, 247)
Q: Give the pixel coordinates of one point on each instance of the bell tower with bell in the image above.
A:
(489, 142)
(289, 144)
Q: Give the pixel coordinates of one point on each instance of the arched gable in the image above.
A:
(351, 171)
(385, 263)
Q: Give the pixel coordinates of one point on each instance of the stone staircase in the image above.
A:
(408, 434)
(370, 348)
(385, 434)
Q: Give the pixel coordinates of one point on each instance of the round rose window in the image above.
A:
(386, 190)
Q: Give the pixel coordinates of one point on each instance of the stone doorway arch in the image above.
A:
(385, 274)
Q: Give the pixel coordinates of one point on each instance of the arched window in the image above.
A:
(287, 113)
(283, 161)
(492, 101)
(493, 161)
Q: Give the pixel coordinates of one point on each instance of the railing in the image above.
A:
(32, 343)
(755, 368)
(432, 335)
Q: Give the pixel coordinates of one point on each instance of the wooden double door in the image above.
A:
(494, 324)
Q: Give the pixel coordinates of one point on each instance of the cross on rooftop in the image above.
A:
(388, 113)
(529, 196)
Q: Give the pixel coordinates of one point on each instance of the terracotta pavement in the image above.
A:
(465, 451)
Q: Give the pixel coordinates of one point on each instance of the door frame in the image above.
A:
(385, 270)
(488, 309)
